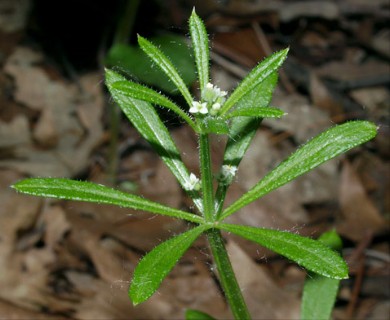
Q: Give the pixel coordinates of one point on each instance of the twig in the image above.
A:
(230, 66)
(359, 257)
(264, 43)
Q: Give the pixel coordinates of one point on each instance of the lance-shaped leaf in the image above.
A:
(319, 293)
(200, 43)
(146, 120)
(166, 66)
(320, 149)
(243, 129)
(134, 63)
(155, 266)
(253, 111)
(310, 254)
(86, 191)
(140, 92)
(255, 77)
(192, 314)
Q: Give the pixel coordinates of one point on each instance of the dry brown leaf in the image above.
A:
(56, 225)
(15, 133)
(69, 126)
(9, 311)
(346, 71)
(303, 120)
(376, 100)
(264, 298)
(322, 98)
(313, 9)
(359, 215)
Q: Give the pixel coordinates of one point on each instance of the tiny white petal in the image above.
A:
(198, 107)
(193, 183)
(216, 106)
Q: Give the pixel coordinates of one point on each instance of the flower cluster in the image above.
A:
(212, 101)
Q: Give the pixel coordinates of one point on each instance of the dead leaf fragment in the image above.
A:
(15, 133)
(359, 214)
(263, 296)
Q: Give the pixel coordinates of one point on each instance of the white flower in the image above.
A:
(198, 107)
(193, 183)
(213, 94)
(227, 174)
(228, 170)
(215, 108)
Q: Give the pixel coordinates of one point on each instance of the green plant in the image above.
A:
(238, 115)
(319, 292)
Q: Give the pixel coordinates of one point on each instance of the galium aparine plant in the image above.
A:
(238, 115)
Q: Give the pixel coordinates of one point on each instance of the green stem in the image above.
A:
(226, 275)
(206, 176)
(220, 195)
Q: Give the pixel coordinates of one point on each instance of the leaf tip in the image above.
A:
(17, 185)
(140, 39)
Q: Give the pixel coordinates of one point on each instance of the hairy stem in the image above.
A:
(206, 176)
(226, 275)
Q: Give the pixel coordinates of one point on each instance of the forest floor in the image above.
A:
(68, 260)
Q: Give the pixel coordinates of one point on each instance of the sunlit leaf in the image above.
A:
(309, 253)
(155, 265)
(86, 191)
(320, 149)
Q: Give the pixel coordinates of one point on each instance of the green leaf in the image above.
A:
(332, 240)
(214, 125)
(319, 293)
(155, 266)
(242, 131)
(86, 191)
(135, 64)
(197, 315)
(163, 62)
(254, 78)
(309, 253)
(147, 122)
(140, 92)
(200, 43)
(320, 149)
(253, 111)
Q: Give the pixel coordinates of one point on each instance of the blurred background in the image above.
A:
(68, 260)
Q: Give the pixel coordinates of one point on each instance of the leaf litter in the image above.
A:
(75, 260)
